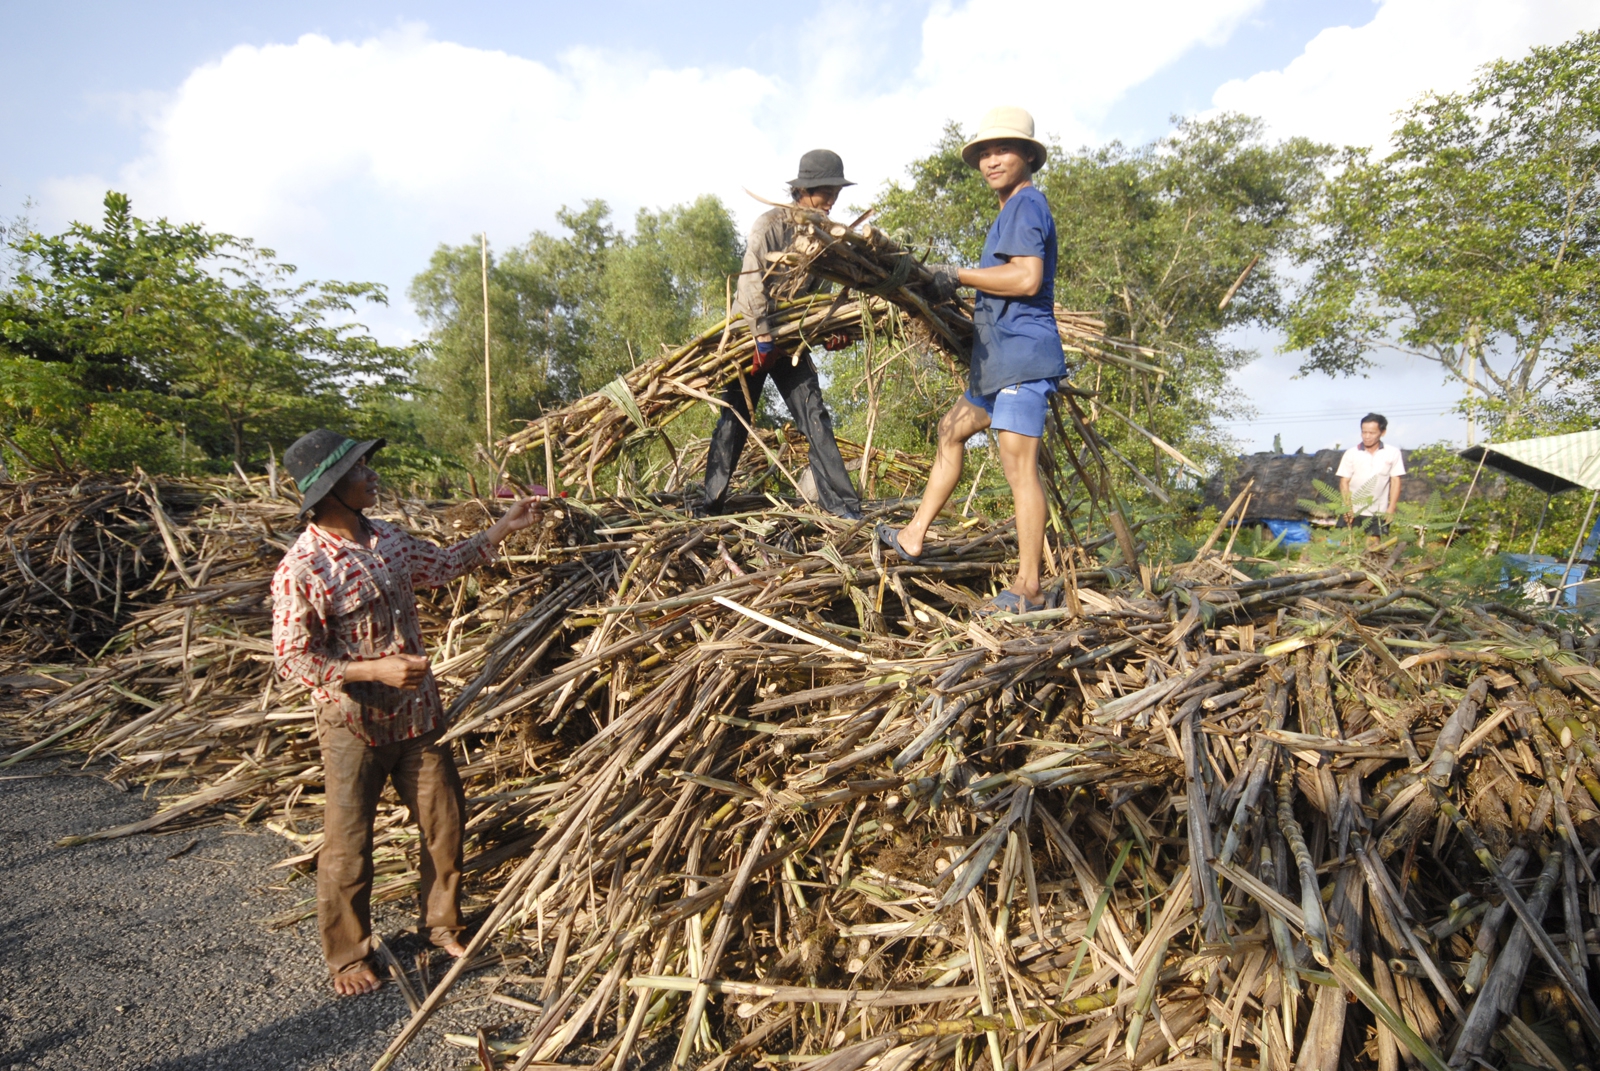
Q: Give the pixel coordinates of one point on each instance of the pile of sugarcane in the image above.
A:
(79, 552)
(749, 788)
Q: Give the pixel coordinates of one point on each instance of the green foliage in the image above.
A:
(669, 280)
(170, 346)
(1430, 519)
(1502, 514)
(567, 313)
(1329, 500)
(1473, 243)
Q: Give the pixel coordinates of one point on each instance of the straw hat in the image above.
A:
(1005, 124)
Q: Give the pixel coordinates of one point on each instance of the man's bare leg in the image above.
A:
(356, 980)
(1019, 457)
(962, 422)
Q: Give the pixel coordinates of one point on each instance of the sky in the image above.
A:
(353, 138)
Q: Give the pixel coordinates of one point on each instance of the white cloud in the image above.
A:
(263, 140)
(1348, 83)
(355, 158)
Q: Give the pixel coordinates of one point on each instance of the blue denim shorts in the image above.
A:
(1019, 408)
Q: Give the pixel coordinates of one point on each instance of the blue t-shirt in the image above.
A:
(1016, 338)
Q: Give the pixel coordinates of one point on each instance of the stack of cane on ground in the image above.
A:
(747, 791)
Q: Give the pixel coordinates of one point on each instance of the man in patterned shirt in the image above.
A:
(344, 624)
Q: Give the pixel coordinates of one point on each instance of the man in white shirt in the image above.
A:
(1369, 476)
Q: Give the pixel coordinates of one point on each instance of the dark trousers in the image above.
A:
(803, 395)
(1373, 524)
(424, 773)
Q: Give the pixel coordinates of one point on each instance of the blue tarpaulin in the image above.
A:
(1290, 533)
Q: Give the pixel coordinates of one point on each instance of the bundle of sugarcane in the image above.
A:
(589, 432)
(866, 260)
(637, 407)
(746, 786)
(883, 277)
(1083, 335)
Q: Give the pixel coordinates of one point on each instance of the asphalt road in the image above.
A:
(112, 955)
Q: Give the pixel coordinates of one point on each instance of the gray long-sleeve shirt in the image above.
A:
(762, 283)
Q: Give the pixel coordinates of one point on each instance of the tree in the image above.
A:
(671, 278)
(1152, 237)
(567, 312)
(1472, 243)
(154, 344)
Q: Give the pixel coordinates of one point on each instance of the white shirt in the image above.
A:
(1369, 477)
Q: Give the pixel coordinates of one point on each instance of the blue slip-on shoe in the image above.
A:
(1008, 602)
(890, 537)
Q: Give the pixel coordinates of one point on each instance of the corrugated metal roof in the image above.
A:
(1552, 463)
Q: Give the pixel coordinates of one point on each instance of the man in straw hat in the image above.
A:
(344, 624)
(1016, 351)
(763, 282)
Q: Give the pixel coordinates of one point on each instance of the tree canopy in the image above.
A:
(165, 345)
(567, 312)
(1472, 243)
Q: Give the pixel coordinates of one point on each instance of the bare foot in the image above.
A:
(455, 948)
(356, 980)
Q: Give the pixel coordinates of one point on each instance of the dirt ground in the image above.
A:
(113, 955)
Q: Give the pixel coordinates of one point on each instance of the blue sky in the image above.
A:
(353, 138)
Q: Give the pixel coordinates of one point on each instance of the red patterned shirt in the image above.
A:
(335, 601)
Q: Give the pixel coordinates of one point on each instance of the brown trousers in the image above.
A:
(424, 773)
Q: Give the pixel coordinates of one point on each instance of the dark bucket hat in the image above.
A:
(820, 167)
(319, 459)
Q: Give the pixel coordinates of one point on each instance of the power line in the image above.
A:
(1324, 411)
(1312, 418)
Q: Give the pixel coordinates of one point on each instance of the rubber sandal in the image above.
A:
(1008, 602)
(890, 537)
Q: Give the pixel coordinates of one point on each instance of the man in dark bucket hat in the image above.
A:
(763, 282)
(344, 624)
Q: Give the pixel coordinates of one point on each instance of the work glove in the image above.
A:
(763, 360)
(945, 280)
(835, 342)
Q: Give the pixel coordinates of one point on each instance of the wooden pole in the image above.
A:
(549, 461)
(1566, 574)
(488, 394)
(1533, 548)
(872, 426)
(1462, 512)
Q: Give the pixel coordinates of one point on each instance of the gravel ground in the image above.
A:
(112, 955)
